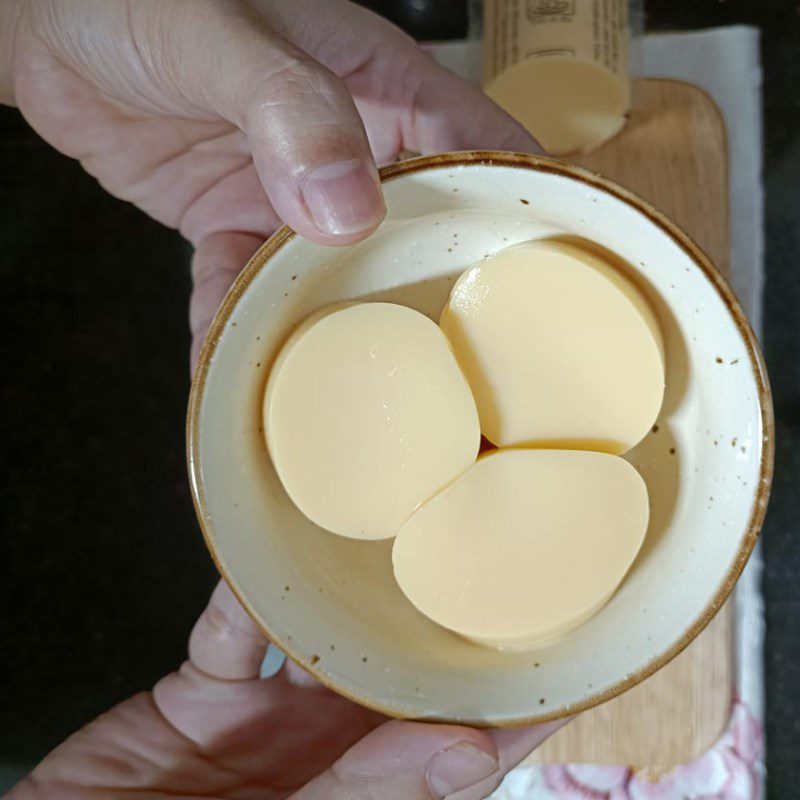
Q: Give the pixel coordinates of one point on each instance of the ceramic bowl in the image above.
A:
(331, 603)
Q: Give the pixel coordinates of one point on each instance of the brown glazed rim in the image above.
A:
(539, 164)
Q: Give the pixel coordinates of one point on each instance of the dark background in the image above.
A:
(103, 568)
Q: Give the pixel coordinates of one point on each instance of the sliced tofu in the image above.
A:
(366, 415)
(559, 347)
(524, 546)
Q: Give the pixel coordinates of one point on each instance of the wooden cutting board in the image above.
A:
(673, 153)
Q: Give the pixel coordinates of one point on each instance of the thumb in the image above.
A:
(417, 761)
(306, 137)
(308, 142)
(311, 151)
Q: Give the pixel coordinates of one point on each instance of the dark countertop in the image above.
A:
(104, 570)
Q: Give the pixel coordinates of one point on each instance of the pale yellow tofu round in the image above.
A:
(560, 349)
(524, 546)
(569, 105)
(366, 415)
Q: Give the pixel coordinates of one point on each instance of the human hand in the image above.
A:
(206, 117)
(215, 730)
(223, 118)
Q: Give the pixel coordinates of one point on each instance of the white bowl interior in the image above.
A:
(333, 602)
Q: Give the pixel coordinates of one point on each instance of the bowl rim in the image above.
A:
(283, 235)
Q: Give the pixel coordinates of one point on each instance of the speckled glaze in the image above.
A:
(332, 603)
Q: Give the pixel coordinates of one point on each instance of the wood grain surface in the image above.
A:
(672, 153)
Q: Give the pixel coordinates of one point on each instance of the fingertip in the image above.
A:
(225, 643)
(415, 761)
(343, 200)
(519, 139)
(513, 745)
(472, 119)
(460, 767)
(217, 260)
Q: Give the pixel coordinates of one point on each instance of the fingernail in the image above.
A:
(344, 197)
(457, 768)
